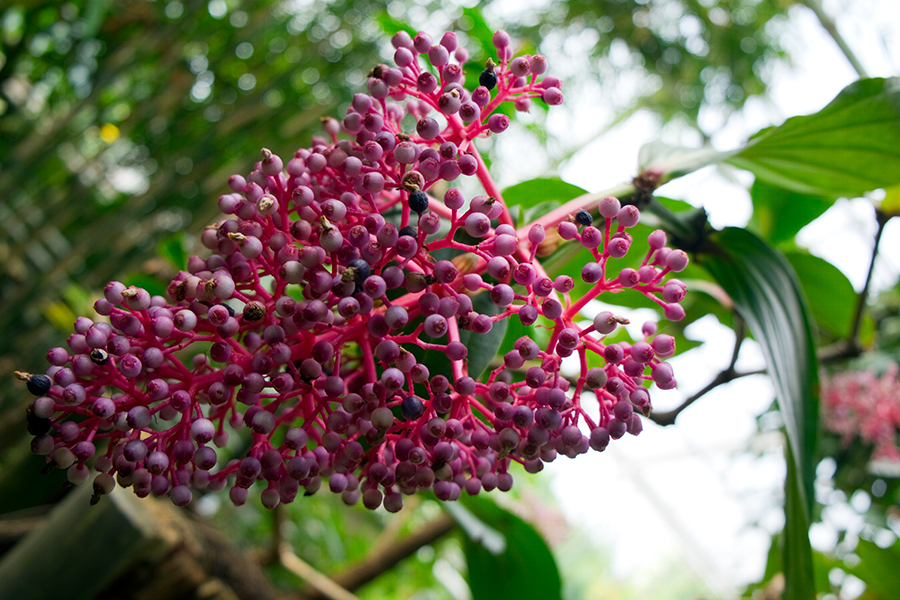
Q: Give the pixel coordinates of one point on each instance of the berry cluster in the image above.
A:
(860, 404)
(308, 321)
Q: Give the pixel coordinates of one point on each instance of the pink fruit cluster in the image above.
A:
(309, 322)
(861, 405)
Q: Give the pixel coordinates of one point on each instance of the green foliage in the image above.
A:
(541, 191)
(768, 297)
(517, 564)
(849, 147)
(878, 569)
(779, 214)
(831, 298)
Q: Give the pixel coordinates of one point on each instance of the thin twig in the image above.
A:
(668, 418)
(375, 563)
(851, 347)
(882, 220)
(727, 374)
(829, 26)
(308, 573)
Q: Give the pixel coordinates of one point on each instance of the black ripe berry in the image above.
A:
(412, 408)
(38, 384)
(488, 78)
(36, 425)
(361, 269)
(99, 356)
(418, 201)
(583, 217)
(229, 309)
(410, 231)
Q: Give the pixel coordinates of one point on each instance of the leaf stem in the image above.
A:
(851, 346)
(829, 25)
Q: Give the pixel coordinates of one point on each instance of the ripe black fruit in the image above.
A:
(418, 201)
(488, 78)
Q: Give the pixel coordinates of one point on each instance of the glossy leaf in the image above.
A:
(778, 213)
(524, 568)
(483, 346)
(849, 147)
(796, 550)
(768, 296)
(830, 294)
(544, 189)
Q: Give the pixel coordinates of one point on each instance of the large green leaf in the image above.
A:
(521, 566)
(778, 214)
(768, 296)
(849, 147)
(831, 297)
(544, 189)
(878, 568)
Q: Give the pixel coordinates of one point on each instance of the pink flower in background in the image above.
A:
(859, 404)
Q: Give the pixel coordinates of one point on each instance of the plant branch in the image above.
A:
(882, 220)
(319, 581)
(829, 25)
(376, 563)
(727, 374)
(851, 346)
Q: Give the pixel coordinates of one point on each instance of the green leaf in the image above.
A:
(778, 214)
(890, 205)
(849, 147)
(796, 551)
(767, 294)
(515, 330)
(154, 286)
(524, 568)
(538, 210)
(878, 568)
(483, 346)
(544, 189)
(830, 294)
(172, 248)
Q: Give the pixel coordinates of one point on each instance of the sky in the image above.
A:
(709, 488)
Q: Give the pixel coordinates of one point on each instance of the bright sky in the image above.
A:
(709, 488)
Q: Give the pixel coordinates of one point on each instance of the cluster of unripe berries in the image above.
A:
(332, 276)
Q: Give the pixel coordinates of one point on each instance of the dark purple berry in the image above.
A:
(488, 78)
(583, 217)
(412, 408)
(409, 230)
(38, 384)
(418, 202)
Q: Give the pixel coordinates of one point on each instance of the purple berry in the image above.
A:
(498, 123)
